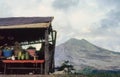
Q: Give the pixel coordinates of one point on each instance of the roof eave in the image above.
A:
(36, 25)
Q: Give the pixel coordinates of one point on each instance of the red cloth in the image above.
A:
(23, 61)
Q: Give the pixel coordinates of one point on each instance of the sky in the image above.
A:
(94, 20)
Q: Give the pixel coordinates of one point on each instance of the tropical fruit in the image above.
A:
(19, 55)
(22, 56)
(26, 56)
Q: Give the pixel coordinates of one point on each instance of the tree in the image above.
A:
(67, 67)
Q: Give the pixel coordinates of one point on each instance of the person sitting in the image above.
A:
(17, 48)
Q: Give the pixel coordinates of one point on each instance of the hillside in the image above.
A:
(82, 53)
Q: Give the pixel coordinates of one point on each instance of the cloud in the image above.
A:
(77, 21)
(94, 20)
(109, 3)
(100, 27)
(107, 34)
(23, 7)
(65, 4)
(5, 10)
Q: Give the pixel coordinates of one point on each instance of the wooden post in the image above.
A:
(47, 55)
(54, 34)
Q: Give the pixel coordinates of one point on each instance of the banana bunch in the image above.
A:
(19, 55)
(22, 56)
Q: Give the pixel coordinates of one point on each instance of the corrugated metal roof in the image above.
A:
(24, 20)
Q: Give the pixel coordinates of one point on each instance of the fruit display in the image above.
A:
(23, 56)
(20, 54)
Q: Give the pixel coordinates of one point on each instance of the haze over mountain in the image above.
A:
(81, 53)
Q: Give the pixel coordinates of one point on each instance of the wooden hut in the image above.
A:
(27, 31)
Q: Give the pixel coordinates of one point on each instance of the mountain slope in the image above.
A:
(81, 53)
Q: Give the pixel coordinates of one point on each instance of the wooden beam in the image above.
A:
(36, 25)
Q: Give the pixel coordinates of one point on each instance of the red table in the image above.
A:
(23, 62)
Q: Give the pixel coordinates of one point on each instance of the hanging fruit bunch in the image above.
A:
(23, 55)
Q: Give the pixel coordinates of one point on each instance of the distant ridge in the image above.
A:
(82, 53)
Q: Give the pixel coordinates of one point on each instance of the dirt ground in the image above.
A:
(42, 76)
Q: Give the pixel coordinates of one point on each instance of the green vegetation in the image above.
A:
(67, 67)
(86, 72)
(105, 74)
(90, 72)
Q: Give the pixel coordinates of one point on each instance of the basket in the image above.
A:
(7, 53)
